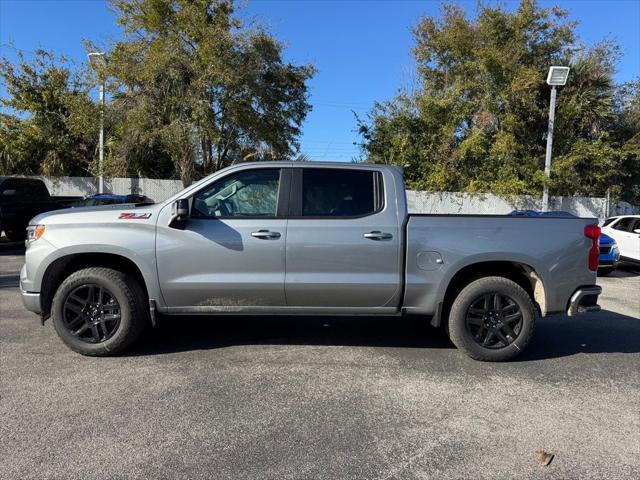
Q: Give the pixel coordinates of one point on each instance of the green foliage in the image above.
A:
(49, 124)
(478, 120)
(196, 83)
(190, 89)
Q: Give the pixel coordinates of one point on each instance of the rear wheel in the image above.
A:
(492, 319)
(99, 311)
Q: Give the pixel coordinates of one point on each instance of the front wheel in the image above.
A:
(492, 319)
(99, 311)
(15, 235)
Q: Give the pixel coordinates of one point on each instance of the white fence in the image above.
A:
(419, 201)
(155, 189)
(487, 203)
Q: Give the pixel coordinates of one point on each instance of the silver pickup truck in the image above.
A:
(305, 239)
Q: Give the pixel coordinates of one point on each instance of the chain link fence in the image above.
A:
(487, 203)
(156, 189)
(419, 201)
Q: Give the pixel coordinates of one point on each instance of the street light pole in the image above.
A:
(557, 77)
(547, 158)
(98, 63)
(101, 139)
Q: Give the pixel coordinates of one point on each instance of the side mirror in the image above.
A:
(179, 214)
(637, 230)
(9, 193)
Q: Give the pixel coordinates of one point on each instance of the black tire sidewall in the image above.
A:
(15, 235)
(114, 282)
(461, 336)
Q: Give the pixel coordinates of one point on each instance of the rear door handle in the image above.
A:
(378, 235)
(266, 234)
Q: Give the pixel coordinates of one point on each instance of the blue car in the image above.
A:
(533, 213)
(609, 255)
(111, 199)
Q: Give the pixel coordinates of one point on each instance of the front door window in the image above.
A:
(251, 193)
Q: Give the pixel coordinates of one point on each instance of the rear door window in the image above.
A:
(328, 192)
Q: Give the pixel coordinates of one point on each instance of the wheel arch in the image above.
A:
(521, 273)
(64, 266)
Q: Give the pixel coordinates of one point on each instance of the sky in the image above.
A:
(361, 48)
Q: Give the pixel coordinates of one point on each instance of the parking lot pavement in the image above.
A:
(321, 398)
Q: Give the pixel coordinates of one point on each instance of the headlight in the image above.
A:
(34, 232)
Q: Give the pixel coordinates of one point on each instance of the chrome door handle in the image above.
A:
(378, 235)
(265, 234)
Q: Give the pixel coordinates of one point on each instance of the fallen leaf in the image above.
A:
(544, 458)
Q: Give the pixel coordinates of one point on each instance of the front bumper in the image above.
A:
(584, 300)
(30, 300)
(610, 259)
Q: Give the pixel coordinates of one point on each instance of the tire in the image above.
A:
(484, 334)
(605, 272)
(105, 332)
(15, 235)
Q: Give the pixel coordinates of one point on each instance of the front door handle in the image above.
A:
(266, 234)
(378, 235)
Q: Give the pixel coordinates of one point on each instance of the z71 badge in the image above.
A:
(134, 216)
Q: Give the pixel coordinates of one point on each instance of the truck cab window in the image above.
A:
(39, 189)
(338, 192)
(34, 189)
(251, 193)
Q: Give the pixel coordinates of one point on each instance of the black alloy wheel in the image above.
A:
(91, 313)
(494, 320)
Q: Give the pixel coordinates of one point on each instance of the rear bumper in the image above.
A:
(584, 300)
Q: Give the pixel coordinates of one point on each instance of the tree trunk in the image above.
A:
(207, 158)
(186, 165)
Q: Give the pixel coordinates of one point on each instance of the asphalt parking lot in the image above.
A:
(321, 398)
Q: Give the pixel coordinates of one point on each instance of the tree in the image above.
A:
(191, 81)
(49, 124)
(478, 120)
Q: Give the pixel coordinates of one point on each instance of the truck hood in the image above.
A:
(102, 214)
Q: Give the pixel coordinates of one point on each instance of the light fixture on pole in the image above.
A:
(98, 63)
(557, 77)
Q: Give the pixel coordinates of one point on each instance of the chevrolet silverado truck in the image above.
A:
(292, 238)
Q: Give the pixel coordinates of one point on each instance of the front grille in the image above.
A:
(605, 249)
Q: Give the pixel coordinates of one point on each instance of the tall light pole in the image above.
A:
(557, 77)
(98, 63)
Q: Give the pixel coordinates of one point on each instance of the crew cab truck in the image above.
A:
(23, 198)
(305, 239)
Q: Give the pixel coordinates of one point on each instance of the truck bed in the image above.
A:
(439, 246)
